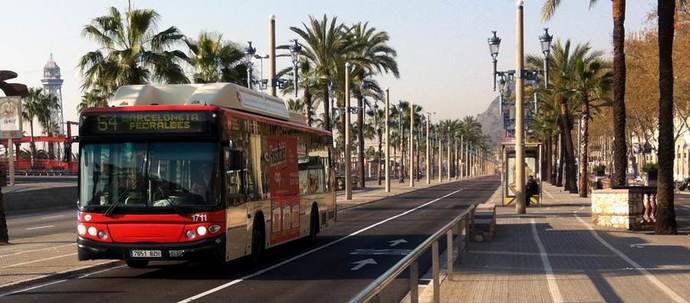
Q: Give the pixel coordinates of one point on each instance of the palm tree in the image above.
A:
(93, 98)
(31, 108)
(47, 105)
(215, 60)
(620, 160)
(324, 46)
(130, 51)
(295, 106)
(665, 215)
(592, 79)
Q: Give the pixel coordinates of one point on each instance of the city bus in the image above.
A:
(198, 171)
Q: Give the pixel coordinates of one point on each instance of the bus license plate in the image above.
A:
(146, 253)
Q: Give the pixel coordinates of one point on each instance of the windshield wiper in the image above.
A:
(175, 207)
(108, 212)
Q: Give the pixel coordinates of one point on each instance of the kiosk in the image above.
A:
(533, 161)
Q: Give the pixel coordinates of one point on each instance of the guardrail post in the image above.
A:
(414, 282)
(436, 272)
(449, 253)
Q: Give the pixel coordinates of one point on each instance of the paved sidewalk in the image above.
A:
(37, 259)
(554, 254)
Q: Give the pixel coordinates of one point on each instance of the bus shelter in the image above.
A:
(532, 161)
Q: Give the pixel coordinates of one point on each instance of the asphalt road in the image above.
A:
(324, 271)
(42, 223)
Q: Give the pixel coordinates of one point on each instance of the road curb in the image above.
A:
(8, 289)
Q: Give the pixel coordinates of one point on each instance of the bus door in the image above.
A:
(284, 188)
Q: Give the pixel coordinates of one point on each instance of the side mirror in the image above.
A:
(235, 160)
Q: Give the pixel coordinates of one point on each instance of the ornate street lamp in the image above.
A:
(295, 51)
(545, 41)
(494, 43)
(249, 53)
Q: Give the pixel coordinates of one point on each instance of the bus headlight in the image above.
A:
(201, 230)
(81, 229)
(190, 234)
(214, 228)
(92, 231)
(102, 235)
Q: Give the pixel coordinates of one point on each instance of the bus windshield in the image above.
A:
(134, 175)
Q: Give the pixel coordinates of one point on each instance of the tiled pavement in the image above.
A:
(554, 254)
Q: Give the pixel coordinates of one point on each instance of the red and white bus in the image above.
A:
(176, 172)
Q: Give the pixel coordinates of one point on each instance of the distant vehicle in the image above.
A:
(210, 171)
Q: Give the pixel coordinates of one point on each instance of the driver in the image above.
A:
(202, 183)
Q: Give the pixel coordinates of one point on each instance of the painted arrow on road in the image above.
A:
(395, 243)
(362, 263)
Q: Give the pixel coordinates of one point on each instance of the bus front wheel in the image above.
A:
(137, 263)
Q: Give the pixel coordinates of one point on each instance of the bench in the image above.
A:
(484, 222)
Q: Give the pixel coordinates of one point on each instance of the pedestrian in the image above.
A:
(531, 189)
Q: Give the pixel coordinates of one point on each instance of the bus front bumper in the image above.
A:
(212, 247)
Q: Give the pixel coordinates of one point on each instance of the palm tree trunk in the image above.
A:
(4, 237)
(32, 145)
(569, 151)
(620, 159)
(360, 140)
(666, 217)
(308, 102)
(326, 108)
(584, 145)
(561, 156)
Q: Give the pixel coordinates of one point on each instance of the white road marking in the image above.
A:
(381, 252)
(40, 227)
(668, 291)
(35, 250)
(53, 217)
(362, 263)
(643, 245)
(39, 260)
(31, 288)
(550, 278)
(517, 253)
(260, 272)
(395, 243)
(60, 281)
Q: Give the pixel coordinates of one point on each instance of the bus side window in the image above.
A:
(233, 175)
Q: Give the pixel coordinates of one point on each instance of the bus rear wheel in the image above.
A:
(314, 223)
(137, 263)
(258, 240)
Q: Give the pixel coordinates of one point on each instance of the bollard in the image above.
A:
(435, 270)
(414, 282)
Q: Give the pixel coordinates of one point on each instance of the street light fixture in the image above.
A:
(494, 43)
(249, 53)
(545, 40)
(295, 51)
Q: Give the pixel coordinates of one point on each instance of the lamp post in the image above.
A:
(400, 133)
(295, 50)
(439, 141)
(494, 43)
(249, 53)
(346, 148)
(428, 150)
(388, 146)
(411, 163)
(461, 161)
(545, 41)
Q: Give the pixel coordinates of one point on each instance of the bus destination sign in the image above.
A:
(178, 122)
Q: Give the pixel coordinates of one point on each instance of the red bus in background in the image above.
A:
(163, 177)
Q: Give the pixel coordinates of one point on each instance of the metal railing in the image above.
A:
(460, 226)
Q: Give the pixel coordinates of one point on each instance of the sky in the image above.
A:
(442, 48)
